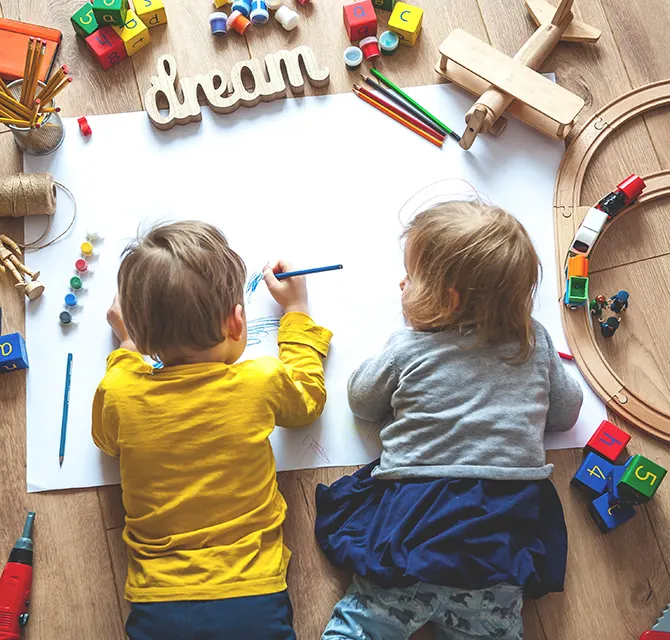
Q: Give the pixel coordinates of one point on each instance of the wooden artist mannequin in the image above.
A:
(9, 261)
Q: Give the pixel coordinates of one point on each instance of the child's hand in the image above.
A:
(115, 320)
(291, 293)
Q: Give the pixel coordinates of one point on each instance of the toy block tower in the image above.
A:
(360, 20)
(406, 21)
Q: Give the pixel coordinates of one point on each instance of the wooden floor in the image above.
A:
(616, 584)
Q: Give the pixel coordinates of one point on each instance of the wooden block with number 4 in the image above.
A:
(151, 12)
(592, 475)
(406, 21)
(107, 47)
(134, 33)
(608, 441)
(641, 479)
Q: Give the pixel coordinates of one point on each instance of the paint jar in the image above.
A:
(87, 249)
(237, 22)
(243, 6)
(273, 5)
(218, 23)
(81, 265)
(71, 300)
(34, 141)
(370, 47)
(388, 43)
(65, 318)
(287, 18)
(93, 235)
(76, 283)
(304, 2)
(259, 12)
(353, 57)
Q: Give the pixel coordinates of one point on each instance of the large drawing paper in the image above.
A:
(316, 181)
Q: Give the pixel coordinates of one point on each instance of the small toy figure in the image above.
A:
(10, 262)
(84, 127)
(597, 305)
(609, 327)
(619, 302)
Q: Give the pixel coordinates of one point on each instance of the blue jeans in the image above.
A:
(269, 617)
(369, 612)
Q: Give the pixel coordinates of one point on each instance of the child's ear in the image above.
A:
(235, 323)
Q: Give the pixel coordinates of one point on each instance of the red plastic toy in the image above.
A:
(84, 127)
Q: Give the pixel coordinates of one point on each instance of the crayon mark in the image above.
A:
(260, 328)
(252, 284)
(316, 448)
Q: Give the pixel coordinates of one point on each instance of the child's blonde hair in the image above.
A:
(483, 254)
(177, 286)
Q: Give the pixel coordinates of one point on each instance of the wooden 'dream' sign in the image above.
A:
(225, 96)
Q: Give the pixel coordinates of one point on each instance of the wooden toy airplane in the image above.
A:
(512, 84)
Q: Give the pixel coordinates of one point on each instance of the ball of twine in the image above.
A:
(27, 195)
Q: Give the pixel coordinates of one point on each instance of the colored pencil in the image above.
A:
(66, 408)
(436, 141)
(305, 272)
(27, 67)
(565, 356)
(403, 114)
(425, 112)
(403, 103)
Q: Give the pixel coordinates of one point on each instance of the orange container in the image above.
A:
(578, 266)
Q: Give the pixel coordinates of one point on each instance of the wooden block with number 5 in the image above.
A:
(608, 441)
(107, 47)
(641, 479)
(84, 21)
(134, 33)
(151, 12)
(592, 475)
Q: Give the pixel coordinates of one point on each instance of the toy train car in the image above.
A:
(577, 282)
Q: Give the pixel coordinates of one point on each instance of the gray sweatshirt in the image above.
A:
(452, 410)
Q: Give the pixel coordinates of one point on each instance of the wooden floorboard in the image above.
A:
(616, 584)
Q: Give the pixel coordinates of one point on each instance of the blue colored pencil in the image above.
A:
(66, 407)
(304, 272)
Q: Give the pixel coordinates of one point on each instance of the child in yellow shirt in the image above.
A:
(204, 515)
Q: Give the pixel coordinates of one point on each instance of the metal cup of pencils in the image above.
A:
(41, 132)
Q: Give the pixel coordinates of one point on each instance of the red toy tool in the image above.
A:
(15, 583)
(661, 630)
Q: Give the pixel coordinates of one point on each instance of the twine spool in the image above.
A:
(27, 194)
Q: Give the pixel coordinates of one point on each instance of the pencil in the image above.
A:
(32, 73)
(53, 81)
(402, 103)
(304, 272)
(436, 141)
(565, 356)
(425, 112)
(14, 122)
(391, 107)
(11, 104)
(66, 407)
(27, 67)
(48, 98)
(39, 56)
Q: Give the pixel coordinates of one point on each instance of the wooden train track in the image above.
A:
(568, 215)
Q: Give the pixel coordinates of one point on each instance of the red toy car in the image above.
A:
(84, 127)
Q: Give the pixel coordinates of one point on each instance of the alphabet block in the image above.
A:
(109, 12)
(592, 475)
(84, 21)
(613, 491)
(608, 441)
(107, 47)
(134, 33)
(641, 479)
(610, 516)
(13, 354)
(151, 12)
(360, 20)
(406, 21)
(385, 5)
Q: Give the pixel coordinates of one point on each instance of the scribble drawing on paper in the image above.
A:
(315, 447)
(260, 328)
(252, 284)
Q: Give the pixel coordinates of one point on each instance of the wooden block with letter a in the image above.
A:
(406, 21)
(608, 441)
(84, 21)
(151, 12)
(592, 475)
(360, 20)
(107, 47)
(134, 34)
(13, 354)
(641, 480)
(109, 12)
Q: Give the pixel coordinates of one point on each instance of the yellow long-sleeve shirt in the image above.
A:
(203, 511)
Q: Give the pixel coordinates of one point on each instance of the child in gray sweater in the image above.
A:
(458, 519)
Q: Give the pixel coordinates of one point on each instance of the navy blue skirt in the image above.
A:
(458, 532)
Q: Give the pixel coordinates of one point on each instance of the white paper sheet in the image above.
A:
(317, 181)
